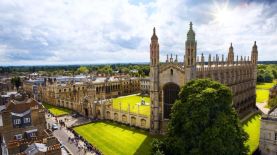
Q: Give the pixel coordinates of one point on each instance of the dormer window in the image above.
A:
(18, 136)
(27, 120)
(17, 121)
(33, 134)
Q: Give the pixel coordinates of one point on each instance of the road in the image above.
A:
(62, 135)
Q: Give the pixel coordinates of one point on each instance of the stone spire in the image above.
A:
(166, 58)
(209, 61)
(154, 49)
(191, 33)
(154, 36)
(202, 60)
(217, 60)
(176, 58)
(254, 54)
(231, 54)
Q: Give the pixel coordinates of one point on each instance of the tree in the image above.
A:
(203, 121)
(272, 102)
(268, 77)
(16, 82)
(83, 70)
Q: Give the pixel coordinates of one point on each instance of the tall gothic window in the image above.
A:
(170, 91)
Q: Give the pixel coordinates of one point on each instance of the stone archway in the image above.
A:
(170, 94)
(108, 115)
(133, 121)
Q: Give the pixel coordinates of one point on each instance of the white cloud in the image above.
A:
(86, 31)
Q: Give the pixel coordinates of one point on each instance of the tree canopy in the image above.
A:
(83, 70)
(16, 82)
(202, 122)
(266, 73)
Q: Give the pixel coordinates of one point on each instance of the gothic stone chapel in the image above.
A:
(167, 78)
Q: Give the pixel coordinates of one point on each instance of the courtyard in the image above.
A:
(112, 138)
(57, 111)
(135, 104)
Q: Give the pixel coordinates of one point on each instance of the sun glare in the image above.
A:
(222, 14)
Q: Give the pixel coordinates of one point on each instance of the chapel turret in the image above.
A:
(254, 54)
(190, 48)
(154, 83)
(190, 54)
(231, 54)
(154, 49)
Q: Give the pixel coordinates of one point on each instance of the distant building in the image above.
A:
(5, 97)
(268, 133)
(22, 123)
(145, 85)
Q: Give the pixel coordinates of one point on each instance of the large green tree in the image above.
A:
(83, 70)
(203, 122)
(16, 82)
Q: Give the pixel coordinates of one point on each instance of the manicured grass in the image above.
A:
(252, 127)
(262, 95)
(264, 85)
(57, 111)
(262, 91)
(112, 138)
(134, 101)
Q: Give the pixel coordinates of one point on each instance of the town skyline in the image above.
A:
(96, 32)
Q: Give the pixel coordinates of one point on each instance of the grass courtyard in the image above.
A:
(112, 138)
(262, 91)
(252, 127)
(134, 101)
(57, 111)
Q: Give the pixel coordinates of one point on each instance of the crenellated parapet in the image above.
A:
(215, 63)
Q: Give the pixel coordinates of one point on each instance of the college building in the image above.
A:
(166, 79)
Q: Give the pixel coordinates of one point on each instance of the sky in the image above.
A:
(47, 32)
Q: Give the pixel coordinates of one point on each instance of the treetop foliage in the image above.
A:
(266, 73)
(203, 121)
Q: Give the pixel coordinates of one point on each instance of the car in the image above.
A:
(75, 115)
(55, 127)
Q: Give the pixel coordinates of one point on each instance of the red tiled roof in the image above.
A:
(22, 106)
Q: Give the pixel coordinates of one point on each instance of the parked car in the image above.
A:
(55, 127)
(75, 115)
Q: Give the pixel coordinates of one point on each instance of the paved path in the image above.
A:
(262, 107)
(62, 135)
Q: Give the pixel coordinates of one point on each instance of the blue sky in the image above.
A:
(49, 32)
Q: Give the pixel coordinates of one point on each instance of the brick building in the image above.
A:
(22, 123)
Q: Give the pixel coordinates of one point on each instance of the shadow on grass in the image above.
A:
(251, 119)
(145, 147)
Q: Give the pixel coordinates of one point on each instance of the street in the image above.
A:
(62, 134)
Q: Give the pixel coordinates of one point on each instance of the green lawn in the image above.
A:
(57, 111)
(134, 101)
(113, 139)
(262, 91)
(262, 95)
(252, 127)
(264, 85)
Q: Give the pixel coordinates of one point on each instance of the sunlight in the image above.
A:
(222, 15)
